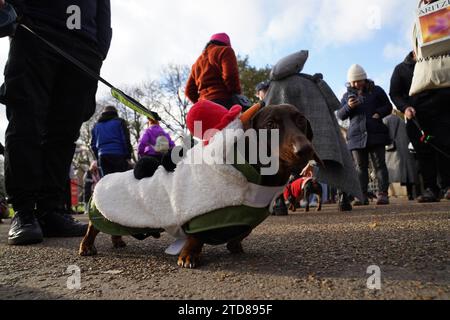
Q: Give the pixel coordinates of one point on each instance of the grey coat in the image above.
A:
(401, 165)
(313, 97)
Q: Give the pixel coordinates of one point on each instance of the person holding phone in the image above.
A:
(366, 104)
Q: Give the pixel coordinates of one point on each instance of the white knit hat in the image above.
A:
(356, 73)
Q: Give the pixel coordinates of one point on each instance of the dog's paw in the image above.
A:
(235, 247)
(188, 261)
(87, 251)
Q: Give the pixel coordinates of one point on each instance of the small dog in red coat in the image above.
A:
(303, 188)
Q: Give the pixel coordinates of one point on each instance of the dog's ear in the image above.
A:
(309, 131)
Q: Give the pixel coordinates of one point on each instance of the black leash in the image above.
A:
(427, 139)
(116, 93)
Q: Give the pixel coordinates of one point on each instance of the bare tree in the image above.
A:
(165, 96)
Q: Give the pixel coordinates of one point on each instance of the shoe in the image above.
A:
(345, 206)
(344, 203)
(360, 203)
(25, 229)
(280, 209)
(60, 224)
(382, 199)
(428, 197)
(447, 194)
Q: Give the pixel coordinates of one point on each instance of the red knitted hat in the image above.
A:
(222, 37)
(211, 116)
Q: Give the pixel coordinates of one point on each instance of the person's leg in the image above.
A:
(72, 103)
(112, 164)
(344, 202)
(441, 134)
(361, 158)
(378, 155)
(29, 78)
(426, 159)
(410, 191)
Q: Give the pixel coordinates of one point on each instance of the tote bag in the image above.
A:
(431, 72)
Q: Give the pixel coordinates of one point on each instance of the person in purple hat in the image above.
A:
(215, 74)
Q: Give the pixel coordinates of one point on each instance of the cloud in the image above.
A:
(395, 52)
(343, 22)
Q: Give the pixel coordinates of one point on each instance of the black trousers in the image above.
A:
(112, 164)
(433, 115)
(378, 155)
(47, 100)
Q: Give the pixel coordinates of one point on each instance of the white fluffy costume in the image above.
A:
(170, 200)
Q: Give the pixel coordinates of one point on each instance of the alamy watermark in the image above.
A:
(374, 18)
(74, 280)
(234, 146)
(74, 20)
(374, 281)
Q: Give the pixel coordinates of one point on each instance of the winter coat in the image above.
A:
(215, 75)
(111, 137)
(148, 140)
(401, 83)
(364, 130)
(400, 162)
(95, 17)
(423, 102)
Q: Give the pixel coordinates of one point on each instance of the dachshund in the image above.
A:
(294, 152)
(302, 189)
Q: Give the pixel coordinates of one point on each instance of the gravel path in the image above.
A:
(303, 256)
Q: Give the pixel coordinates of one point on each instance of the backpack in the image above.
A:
(162, 145)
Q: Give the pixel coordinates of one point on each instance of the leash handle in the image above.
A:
(116, 93)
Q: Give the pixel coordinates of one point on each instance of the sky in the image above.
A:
(149, 34)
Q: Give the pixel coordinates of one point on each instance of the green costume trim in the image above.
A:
(227, 217)
(104, 225)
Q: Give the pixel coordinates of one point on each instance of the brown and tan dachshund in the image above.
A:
(294, 153)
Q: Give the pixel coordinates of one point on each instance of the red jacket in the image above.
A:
(295, 189)
(215, 75)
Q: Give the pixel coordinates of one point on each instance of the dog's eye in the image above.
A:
(271, 125)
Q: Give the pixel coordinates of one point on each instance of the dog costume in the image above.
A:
(201, 187)
(295, 189)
